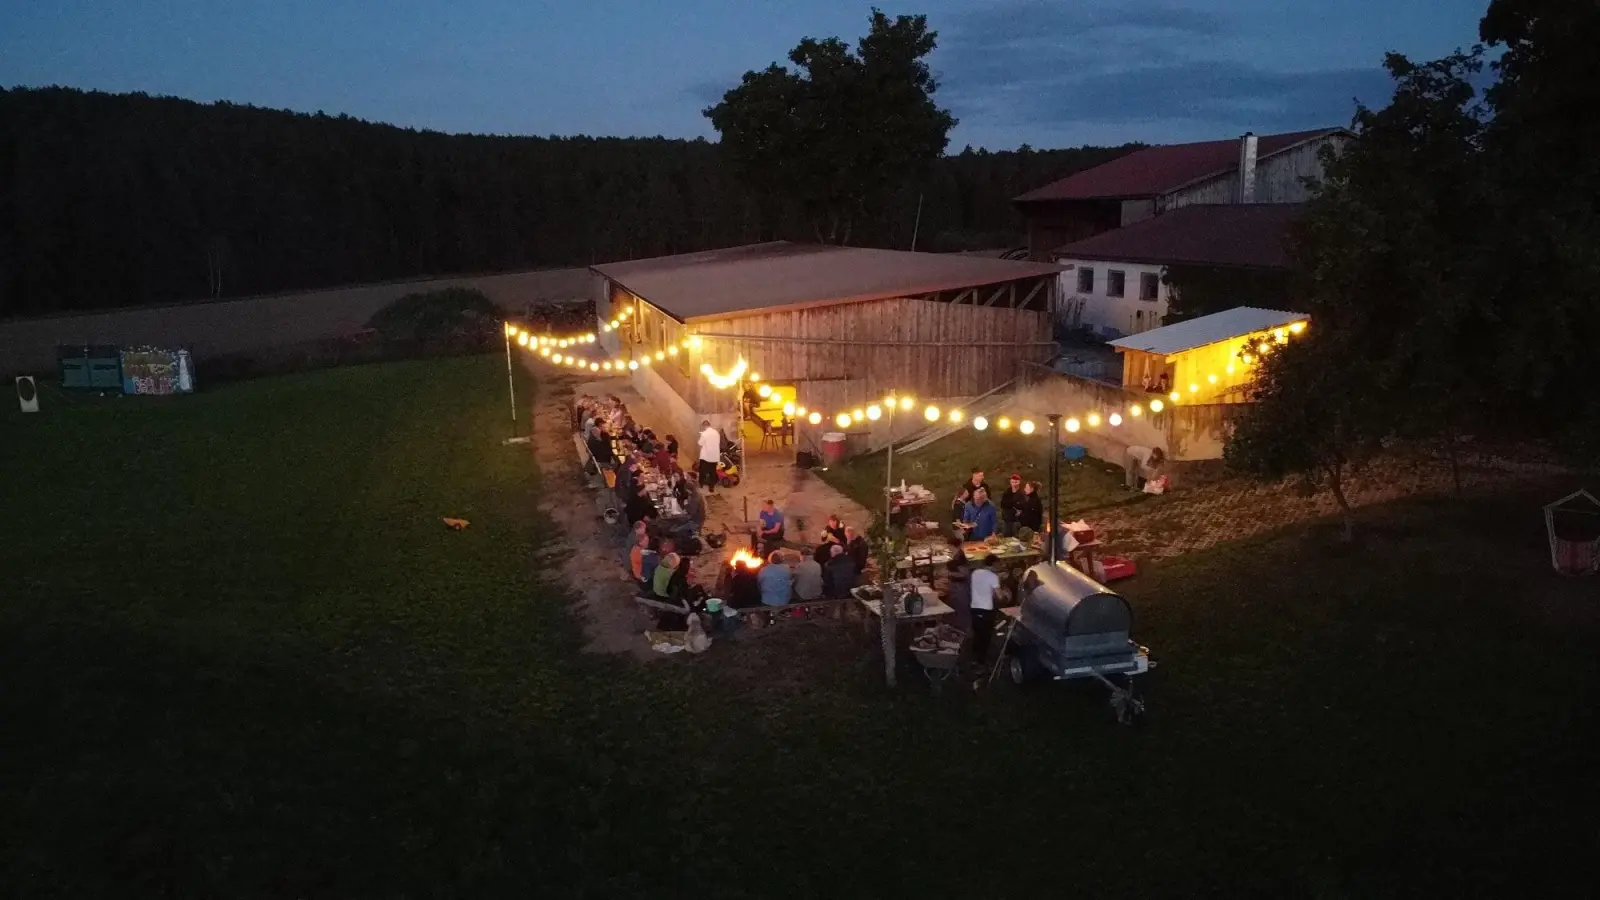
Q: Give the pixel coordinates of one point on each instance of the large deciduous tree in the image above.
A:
(840, 133)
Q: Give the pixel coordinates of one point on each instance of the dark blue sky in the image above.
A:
(1044, 72)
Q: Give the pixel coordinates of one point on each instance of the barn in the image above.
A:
(824, 327)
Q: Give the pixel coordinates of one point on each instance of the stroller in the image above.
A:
(728, 465)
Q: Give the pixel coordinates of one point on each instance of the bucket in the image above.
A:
(833, 448)
(713, 605)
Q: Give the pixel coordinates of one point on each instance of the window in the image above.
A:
(1149, 286)
(1114, 283)
(1086, 281)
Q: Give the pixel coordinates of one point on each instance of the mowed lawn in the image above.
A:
(242, 657)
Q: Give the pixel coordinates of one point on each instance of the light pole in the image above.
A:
(511, 382)
(1054, 470)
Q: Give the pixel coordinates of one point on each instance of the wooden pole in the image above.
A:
(511, 382)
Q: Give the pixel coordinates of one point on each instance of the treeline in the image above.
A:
(114, 200)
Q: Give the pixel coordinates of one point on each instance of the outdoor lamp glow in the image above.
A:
(588, 338)
(522, 340)
(800, 411)
(889, 400)
(510, 329)
(1025, 426)
(765, 390)
(753, 378)
(606, 327)
(660, 356)
(1212, 378)
(1155, 406)
(594, 367)
(645, 359)
(788, 409)
(842, 420)
(1136, 410)
(673, 350)
(1228, 370)
(1263, 347)
(1115, 420)
(1297, 327)
(874, 412)
(815, 418)
(1093, 419)
(556, 359)
(980, 423)
(544, 351)
(633, 364)
(1193, 388)
(955, 416)
(906, 403)
(931, 414)
(1072, 424)
(1174, 396)
(606, 365)
(857, 414)
(1003, 423)
(705, 368)
(694, 342)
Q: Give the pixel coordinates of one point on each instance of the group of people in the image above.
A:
(829, 571)
(616, 442)
(976, 517)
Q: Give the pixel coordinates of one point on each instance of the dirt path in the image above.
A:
(591, 561)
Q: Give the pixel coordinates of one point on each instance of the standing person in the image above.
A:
(775, 580)
(958, 594)
(771, 526)
(710, 441)
(1140, 464)
(984, 585)
(1031, 510)
(807, 579)
(641, 546)
(1011, 506)
(958, 505)
(857, 547)
(974, 482)
(979, 519)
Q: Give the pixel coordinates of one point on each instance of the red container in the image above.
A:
(833, 448)
(1118, 567)
(1084, 535)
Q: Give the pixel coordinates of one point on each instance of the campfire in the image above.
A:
(743, 557)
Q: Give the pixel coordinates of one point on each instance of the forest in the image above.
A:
(111, 200)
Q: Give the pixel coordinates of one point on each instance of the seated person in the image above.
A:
(663, 578)
(836, 528)
(636, 555)
(980, 519)
(840, 574)
(771, 526)
(807, 579)
(857, 547)
(775, 580)
(824, 549)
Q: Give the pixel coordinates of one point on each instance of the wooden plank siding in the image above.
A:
(948, 345)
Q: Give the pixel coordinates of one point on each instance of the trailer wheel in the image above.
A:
(1021, 667)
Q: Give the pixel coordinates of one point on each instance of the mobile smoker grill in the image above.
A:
(1071, 626)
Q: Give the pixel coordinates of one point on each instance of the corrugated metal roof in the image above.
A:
(1237, 322)
(1248, 235)
(1158, 170)
(762, 277)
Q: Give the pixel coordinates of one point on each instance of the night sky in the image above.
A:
(1050, 73)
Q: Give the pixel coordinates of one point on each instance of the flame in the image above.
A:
(743, 557)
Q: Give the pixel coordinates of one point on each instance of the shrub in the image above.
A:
(453, 316)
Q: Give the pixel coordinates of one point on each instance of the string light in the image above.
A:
(1115, 420)
(857, 415)
(1212, 378)
(1003, 423)
(906, 403)
(1174, 396)
(673, 350)
(980, 423)
(1072, 424)
(632, 365)
(874, 412)
(765, 391)
(1155, 406)
(522, 340)
(955, 416)
(694, 342)
(594, 367)
(842, 420)
(788, 409)
(815, 418)
(511, 330)
(1093, 419)
(931, 414)
(1025, 426)
(1297, 327)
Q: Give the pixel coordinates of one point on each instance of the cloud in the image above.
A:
(1131, 63)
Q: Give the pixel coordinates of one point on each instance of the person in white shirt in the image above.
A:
(1140, 465)
(710, 454)
(985, 584)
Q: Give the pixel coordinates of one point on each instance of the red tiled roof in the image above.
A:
(1244, 235)
(1157, 170)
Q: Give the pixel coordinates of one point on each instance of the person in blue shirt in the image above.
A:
(979, 517)
(771, 527)
(775, 580)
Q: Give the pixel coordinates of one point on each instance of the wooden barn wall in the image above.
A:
(954, 349)
(1281, 179)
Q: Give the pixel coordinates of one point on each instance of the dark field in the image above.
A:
(243, 658)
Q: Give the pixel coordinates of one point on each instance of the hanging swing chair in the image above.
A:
(1573, 525)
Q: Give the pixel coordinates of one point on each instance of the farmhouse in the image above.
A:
(1116, 283)
(1267, 169)
(825, 327)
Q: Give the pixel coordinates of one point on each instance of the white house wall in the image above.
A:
(1111, 317)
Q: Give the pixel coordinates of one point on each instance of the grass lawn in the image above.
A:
(243, 658)
(946, 464)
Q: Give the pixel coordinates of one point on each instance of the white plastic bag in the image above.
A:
(696, 641)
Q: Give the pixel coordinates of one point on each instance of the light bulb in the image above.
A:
(788, 409)
(673, 350)
(815, 418)
(980, 423)
(1025, 426)
(1193, 388)
(606, 327)
(1115, 420)
(931, 414)
(764, 390)
(1093, 419)
(594, 367)
(1155, 406)
(544, 351)
(955, 416)
(511, 330)
(1174, 396)
(753, 377)
(1211, 378)
(588, 338)
(857, 414)
(1136, 410)
(889, 401)
(800, 410)
(1297, 327)
(633, 364)
(694, 342)
(1003, 423)
(907, 402)
(522, 340)
(842, 420)
(1072, 424)
(874, 412)
(606, 365)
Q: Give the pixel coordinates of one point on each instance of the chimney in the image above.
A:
(1247, 168)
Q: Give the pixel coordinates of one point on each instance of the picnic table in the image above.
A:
(905, 507)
